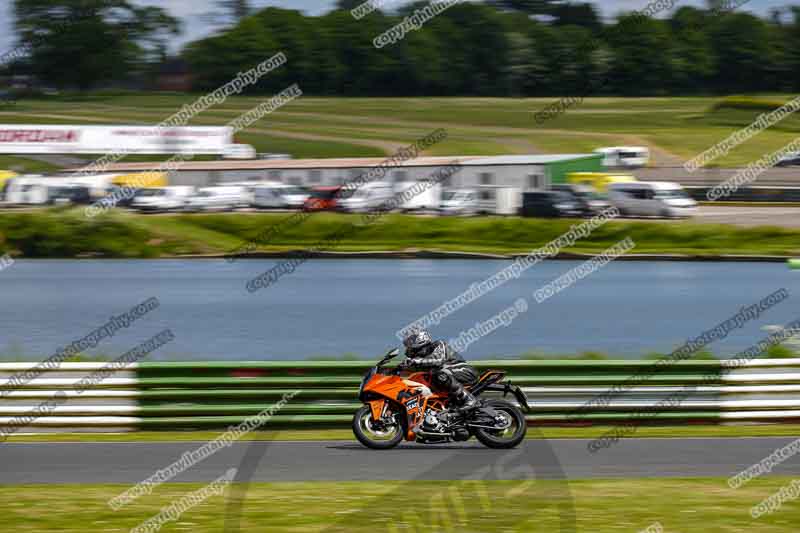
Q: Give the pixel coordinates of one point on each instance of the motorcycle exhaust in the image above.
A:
(493, 428)
(421, 433)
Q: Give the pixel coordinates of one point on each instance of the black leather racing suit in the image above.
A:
(450, 371)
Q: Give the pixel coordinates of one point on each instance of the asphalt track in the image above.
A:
(50, 463)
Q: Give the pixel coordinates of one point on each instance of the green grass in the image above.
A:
(676, 128)
(23, 165)
(66, 233)
(306, 149)
(455, 146)
(569, 142)
(596, 506)
(588, 432)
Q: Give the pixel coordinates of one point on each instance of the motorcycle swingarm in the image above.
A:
(508, 388)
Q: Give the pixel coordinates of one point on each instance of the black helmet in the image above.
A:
(417, 340)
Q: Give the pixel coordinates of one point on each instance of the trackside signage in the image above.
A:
(37, 139)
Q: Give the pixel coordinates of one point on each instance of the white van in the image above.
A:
(499, 200)
(249, 188)
(459, 202)
(367, 197)
(218, 199)
(239, 151)
(162, 198)
(28, 190)
(418, 195)
(278, 195)
(651, 198)
(40, 190)
(625, 156)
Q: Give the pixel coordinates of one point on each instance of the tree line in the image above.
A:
(497, 48)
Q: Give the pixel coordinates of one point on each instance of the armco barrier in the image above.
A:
(754, 195)
(163, 396)
(777, 177)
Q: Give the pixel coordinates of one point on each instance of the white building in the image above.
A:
(523, 172)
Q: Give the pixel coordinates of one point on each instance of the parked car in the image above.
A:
(586, 197)
(123, 199)
(322, 199)
(368, 197)
(223, 198)
(27, 190)
(790, 159)
(249, 187)
(69, 194)
(652, 198)
(162, 199)
(499, 200)
(279, 196)
(418, 195)
(550, 204)
(459, 202)
(41, 190)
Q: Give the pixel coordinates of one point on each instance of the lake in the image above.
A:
(333, 307)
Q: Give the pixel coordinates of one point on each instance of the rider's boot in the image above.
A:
(464, 402)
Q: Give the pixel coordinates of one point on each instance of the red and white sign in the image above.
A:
(36, 139)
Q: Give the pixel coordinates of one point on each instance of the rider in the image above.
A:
(450, 371)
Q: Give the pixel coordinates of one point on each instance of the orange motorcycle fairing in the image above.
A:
(413, 393)
(377, 407)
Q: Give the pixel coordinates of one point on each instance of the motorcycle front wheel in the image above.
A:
(378, 436)
(510, 436)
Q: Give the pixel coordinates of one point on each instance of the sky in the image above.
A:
(195, 26)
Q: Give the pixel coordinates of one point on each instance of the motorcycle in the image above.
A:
(398, 407)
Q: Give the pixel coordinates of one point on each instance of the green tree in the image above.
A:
(420, 64)
(793, 49)
(75, 43)
(780, 74)
(568, 52)
(347, 5)
(693, 61)
(217, 60)
(641, 48)
(742, 45)
(292, 33)
(531, 7)
(238, 10)
(499, 48)
(687, 17)
(524, 65)
(474, 43)
(573, 14)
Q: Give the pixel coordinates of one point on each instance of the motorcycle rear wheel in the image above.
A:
(367, 434)
(508, 438)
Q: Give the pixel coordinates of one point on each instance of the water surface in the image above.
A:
(336, 307)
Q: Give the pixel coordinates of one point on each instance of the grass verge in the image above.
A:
(68, 233)
(596, 506)
(24, 165)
